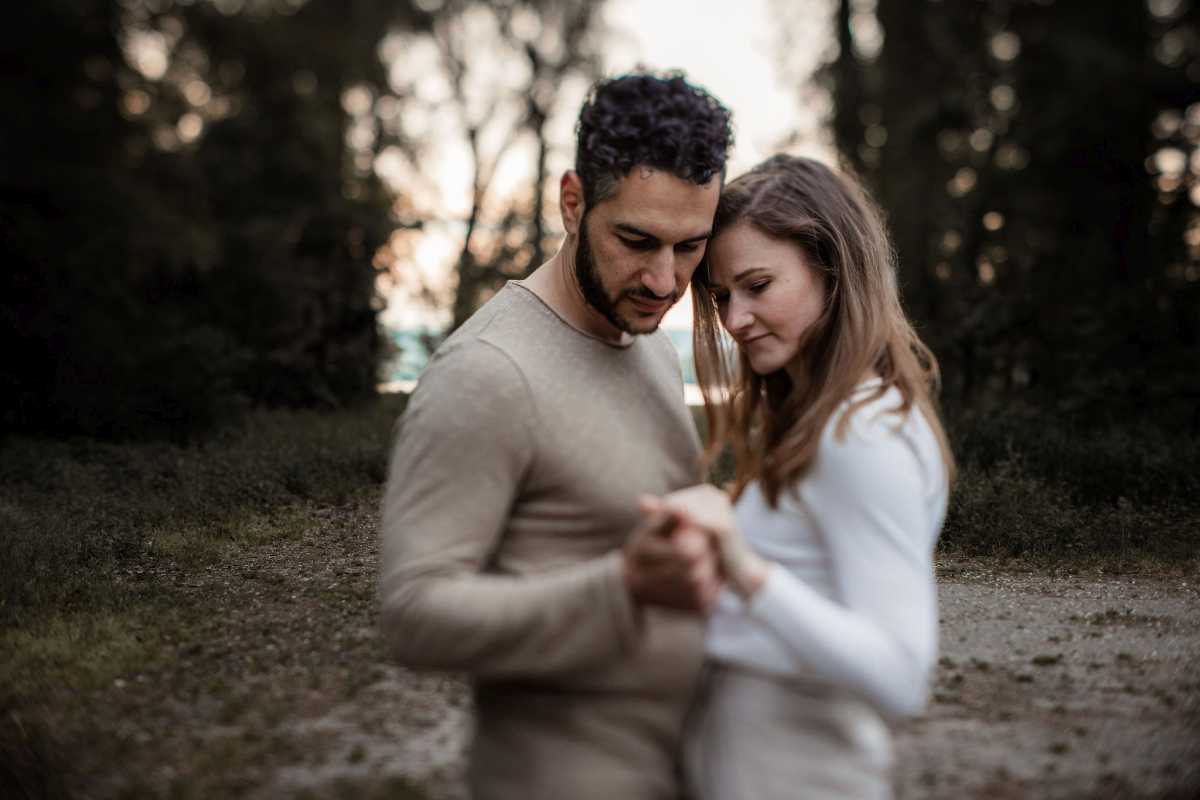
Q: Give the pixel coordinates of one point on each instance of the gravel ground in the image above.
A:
(1060, 687)
(270, 682)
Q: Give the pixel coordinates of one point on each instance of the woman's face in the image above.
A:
(768, 295)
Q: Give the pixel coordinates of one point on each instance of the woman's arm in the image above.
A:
(867, 496)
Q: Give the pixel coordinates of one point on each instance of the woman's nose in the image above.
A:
(738, 317)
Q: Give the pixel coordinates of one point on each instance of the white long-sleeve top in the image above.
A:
(850, 598)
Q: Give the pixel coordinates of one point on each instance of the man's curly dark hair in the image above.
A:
(661, 122)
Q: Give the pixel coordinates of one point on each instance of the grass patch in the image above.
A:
(32, 761)
(74, 510)
(196, 544)
(77, 652)
(84, 649)
(103, 569)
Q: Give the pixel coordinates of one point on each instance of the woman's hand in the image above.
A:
(708, 508)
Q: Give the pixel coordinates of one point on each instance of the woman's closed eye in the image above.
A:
(758, 287)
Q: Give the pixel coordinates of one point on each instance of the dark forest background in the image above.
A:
(1038, 164)
(189, 239)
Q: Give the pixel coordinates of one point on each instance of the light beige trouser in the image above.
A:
(756, 737)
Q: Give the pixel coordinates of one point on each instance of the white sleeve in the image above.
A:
(867, 496)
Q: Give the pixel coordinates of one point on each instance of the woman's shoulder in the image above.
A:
(872, 432)
(873, 413)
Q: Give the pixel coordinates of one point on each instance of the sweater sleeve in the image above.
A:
(462, 449)
(869, 499)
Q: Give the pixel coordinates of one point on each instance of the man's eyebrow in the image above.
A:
(633, 230)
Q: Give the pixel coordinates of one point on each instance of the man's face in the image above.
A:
(639, 247)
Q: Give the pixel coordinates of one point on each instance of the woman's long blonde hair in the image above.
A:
(774, 425)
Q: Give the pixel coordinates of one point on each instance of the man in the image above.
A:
(513, 545)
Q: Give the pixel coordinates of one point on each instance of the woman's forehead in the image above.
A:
(743, 250)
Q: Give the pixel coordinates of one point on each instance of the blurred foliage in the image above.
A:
(500, 83)
(1058, 493)
(1010, 512)
(185, 228)
(1038, 162)
(191, 211)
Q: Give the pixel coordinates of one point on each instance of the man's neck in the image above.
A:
(555, 283)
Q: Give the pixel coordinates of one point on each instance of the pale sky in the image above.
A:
(733, 50)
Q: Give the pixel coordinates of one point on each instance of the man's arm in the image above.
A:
(463, 448)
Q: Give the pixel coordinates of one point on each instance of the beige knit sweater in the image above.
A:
(513, 485)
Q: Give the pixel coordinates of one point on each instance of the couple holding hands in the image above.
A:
(629, 631)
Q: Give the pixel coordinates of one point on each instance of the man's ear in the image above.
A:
(570, 201)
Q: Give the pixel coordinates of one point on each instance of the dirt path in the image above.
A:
(270, 683)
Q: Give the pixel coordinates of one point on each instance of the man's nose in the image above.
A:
(659, 275)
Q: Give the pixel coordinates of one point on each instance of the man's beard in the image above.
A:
(589, 281)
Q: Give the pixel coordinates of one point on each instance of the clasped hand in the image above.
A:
(686, 546)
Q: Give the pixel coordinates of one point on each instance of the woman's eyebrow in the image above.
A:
(748, 272)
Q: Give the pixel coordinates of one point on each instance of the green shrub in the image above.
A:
(1009, 510)
(1138, 462)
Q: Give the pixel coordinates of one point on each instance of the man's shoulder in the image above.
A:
(507, 323)
(664, 347)
(497, 354)
(472, 363)
(468, 386)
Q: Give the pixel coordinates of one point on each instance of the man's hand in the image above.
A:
(707, 508)
(670, 563)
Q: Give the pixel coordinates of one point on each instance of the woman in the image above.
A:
(829, 624)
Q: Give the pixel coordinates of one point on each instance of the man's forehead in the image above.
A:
(646, 172)
(658, 203)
